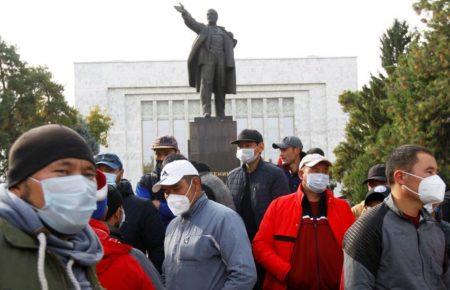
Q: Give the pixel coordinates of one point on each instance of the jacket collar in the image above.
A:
(301, 194)
(196, 207)
(16, 237)
(260, 164)
(389, 201)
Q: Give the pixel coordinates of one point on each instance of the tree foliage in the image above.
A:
(410, 104)
(29, 98)
(99, 124)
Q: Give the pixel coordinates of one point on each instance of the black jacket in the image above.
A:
(142, 228)
(267, 182)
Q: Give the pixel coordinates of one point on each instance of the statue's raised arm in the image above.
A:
(211, 65)
(188, 19)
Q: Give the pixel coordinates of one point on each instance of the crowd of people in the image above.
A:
(70, 220)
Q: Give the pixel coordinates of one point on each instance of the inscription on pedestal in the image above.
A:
(209, 143)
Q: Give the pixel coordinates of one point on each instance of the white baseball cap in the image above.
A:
(312, 160)
(173, 172)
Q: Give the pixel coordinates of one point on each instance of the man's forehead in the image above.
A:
(172, 186)
(164, 150)
(71, 162)
(246, 143)
(426, 161)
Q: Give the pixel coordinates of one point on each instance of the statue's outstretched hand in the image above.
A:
(180, 8)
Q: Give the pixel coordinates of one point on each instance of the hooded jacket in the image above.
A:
(118, 269)
(274, 243)
(40, 259)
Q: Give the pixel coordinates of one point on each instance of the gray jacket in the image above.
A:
(207, 248)
(384, 250)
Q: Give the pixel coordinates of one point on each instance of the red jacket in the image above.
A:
(118, 269)
(274, 243)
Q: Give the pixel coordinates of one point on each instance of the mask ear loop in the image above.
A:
(187, 192)
(407, 186)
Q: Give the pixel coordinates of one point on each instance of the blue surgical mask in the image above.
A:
(69, 203)
(317, 182)
(110, 178)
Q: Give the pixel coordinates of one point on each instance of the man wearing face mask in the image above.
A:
(142, 227)
(299, 242)
(205, 246)
(399, 244)
(256, 182)
(45, 207)
(122, 266)
(162, 146)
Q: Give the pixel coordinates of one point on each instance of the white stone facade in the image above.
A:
(278, 97)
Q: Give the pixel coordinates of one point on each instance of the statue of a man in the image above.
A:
(211, 61)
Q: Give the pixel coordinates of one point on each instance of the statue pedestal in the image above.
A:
(209, 143)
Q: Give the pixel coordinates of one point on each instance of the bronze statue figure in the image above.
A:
(211, 63)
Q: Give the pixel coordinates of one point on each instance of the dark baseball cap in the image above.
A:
(315, 150)
(248, 135)
(379, 192)
(376, 172)
(109, 159)
(165, 142)
(289, 141)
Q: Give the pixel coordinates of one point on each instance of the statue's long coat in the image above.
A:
(199, 52)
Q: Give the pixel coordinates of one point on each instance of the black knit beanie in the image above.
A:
(40, 146)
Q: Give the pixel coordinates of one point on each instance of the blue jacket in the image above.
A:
(144, 190)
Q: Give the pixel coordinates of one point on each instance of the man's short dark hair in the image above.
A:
(404, 158)
(315, 150)
(173, 157)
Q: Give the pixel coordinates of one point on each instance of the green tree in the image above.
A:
(99, 124)
(29, 98)
(83, 129)
(367, 113)
(419, 89)
(415, 101)
(393, 45)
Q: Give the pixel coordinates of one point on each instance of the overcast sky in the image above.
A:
(57, 33)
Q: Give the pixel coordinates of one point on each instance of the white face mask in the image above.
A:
(431, 189)
(246, 155)
(69, 203)
(317, 182)
(110, 178)
(179, 204)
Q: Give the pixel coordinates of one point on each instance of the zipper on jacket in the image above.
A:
(177, 245)
(420, 254)
(317, 252)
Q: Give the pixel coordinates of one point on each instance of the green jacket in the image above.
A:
(19, 259)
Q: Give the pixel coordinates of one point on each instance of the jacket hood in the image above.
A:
(112, 248)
